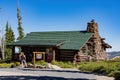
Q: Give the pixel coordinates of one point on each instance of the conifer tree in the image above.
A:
(20, 29)
(7, 33)
(11, 35)
(9, 38)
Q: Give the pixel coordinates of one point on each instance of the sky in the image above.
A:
(64, 15)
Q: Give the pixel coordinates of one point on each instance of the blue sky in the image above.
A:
(65, 15)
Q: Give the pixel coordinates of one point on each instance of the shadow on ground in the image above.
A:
(49, 70)
(36, 78)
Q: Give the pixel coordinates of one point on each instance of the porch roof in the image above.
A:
(64, 39)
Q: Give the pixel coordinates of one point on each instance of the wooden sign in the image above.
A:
(38, 56)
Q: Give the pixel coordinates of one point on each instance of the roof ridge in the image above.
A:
(59, 31)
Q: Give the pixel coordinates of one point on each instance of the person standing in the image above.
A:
(22, 59)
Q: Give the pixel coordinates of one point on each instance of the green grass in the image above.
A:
(41, 62)
(63, 64)
(5, 65)
(109, 68)
(8, 65)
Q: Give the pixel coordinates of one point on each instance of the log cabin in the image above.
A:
(74, 46)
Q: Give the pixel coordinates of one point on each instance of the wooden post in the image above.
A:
(34, 56)
(44, 56)
(53, 54)
(13, 53)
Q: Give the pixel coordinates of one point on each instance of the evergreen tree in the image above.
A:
(11, 35)
(20, 29)
(9, 38)
(7, 33)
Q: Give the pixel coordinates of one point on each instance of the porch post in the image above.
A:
(34, 58)
(54, 54)
(13, 53)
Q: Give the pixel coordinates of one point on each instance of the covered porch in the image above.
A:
(35, 53)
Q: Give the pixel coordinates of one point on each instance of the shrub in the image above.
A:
(5, 61)
(5, 65)
(117, 75)
(67, 65)
(110, 68)
(41, 62)
(111, 74)
(54, 62)
(99, 69)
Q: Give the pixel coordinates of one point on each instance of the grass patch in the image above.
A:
(41, 62)
(110, 68)
(63, 64)
(9, 65)
(5, 65)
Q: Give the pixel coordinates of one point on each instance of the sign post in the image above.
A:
(38, 55)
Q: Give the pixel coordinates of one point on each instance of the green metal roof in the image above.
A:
(67, 39)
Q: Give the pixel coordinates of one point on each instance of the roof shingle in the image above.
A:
(68, 39)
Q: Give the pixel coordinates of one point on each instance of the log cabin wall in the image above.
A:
(81, 55)
(65, 55)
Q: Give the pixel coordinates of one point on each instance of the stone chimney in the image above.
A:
(92, 26)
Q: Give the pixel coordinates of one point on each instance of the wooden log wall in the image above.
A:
(65, 55)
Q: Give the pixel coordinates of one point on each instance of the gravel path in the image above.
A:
(45, 74)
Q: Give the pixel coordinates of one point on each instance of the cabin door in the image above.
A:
(49, 52)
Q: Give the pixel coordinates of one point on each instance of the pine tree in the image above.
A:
(9, 38)
(11, 35)
(20, 29)
(6, 33)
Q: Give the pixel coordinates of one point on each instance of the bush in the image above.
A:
(54, 62)
(5, 65)
(5, 61)
(110, 68)
(117, 75)
(41, 62)
(90, 66)
(99, 69)
(17, 63)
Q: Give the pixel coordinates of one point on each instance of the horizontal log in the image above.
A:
(66, 56)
